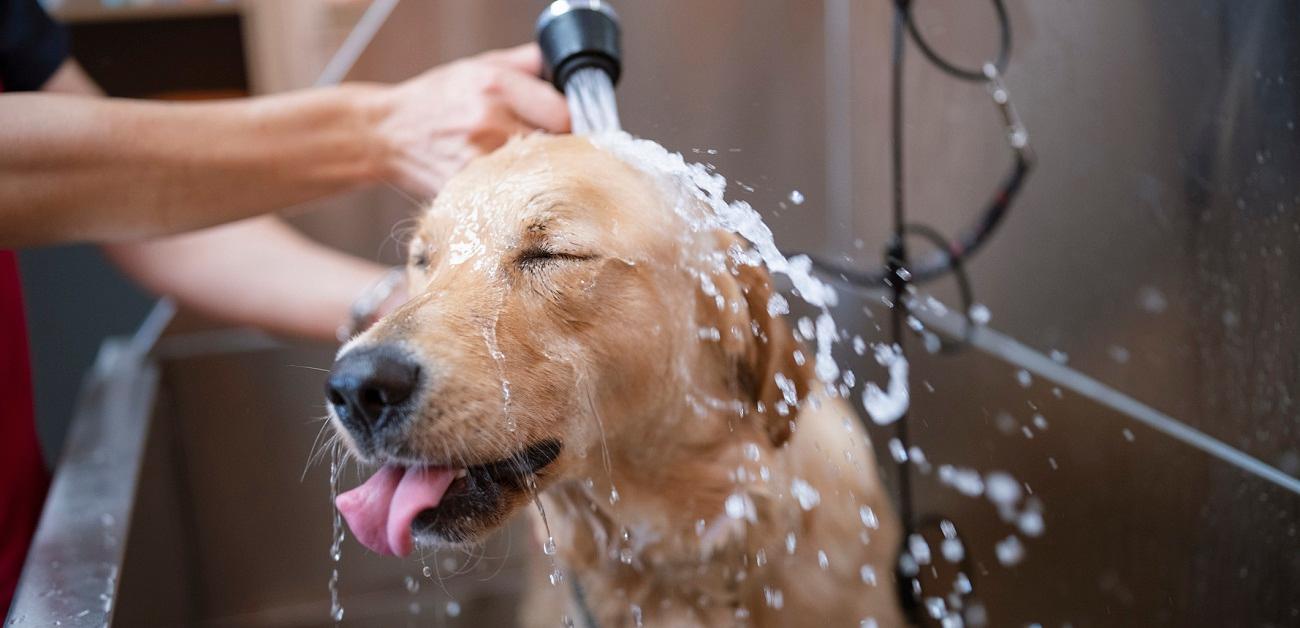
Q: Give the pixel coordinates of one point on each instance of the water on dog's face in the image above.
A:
(547, 286)
(562, 285)
(599, 293)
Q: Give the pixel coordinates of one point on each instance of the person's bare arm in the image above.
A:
(76, 168)
(107, 169)
(258, 272)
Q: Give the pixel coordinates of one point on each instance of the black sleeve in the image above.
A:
(32, 46)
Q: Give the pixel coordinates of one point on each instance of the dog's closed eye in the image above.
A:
(537, 258)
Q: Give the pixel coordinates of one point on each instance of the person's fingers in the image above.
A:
(526, 58)
(535, 101)
(501, 126)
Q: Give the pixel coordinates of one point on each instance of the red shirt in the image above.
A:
(32, 47)
(23, 477)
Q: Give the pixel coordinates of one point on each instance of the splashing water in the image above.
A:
(706, 190)
(591, 102)
(490, 337)
(548, 548)
(336, 543)
(889, 405)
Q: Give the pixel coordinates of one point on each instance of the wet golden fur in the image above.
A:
(563, 272)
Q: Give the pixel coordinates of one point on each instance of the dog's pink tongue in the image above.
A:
(381, 511)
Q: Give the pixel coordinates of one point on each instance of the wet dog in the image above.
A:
(572, 337)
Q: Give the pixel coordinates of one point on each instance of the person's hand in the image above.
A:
(376, 302)
(432, 125)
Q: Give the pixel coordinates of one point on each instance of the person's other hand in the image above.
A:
(432, 125)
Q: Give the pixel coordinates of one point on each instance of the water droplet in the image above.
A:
(412, 584)
(897, 451)
(773, 597)
(919, 549)
(453, 608)
(980, 314)
(1151, 299)
(548, 548)
(868, 517)
(1010, 551)
(1003, 490)
(1024, 378)
(636, 616)
(1118, 354)
(952, 549)
(1031, 523)
(796, 197)
(962, 584)
(427, 571)
(889, 405)
(1128, 435)
(804, 492)
(868, 574)
(822, 560)
(907, 565)
(738, 506)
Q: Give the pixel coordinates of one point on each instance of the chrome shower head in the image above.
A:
(577, 34)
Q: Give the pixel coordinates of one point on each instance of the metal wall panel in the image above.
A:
(1155, 246)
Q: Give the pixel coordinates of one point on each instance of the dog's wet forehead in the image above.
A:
(581, 198)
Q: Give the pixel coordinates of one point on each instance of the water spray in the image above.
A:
(582, 57)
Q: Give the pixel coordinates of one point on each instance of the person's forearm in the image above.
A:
(76, 168)
(246, 271)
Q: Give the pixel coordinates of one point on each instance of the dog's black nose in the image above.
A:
(366, 383)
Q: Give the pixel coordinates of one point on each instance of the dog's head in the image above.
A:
(562, 313)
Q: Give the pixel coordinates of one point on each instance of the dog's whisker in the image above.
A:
(319, 448)
(310, 368)
(510, 541)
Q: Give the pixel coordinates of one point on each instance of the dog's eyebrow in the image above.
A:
(544, 219)
(539, 225)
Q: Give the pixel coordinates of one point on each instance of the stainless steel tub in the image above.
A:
(172, 508)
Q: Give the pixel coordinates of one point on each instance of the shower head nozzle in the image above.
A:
(577, 34)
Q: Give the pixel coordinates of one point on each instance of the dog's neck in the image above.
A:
(682, 529)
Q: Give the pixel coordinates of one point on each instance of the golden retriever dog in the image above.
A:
(572, 338)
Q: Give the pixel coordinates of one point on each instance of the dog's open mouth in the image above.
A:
(450, 504)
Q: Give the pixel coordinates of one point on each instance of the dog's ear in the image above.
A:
(771, 367)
